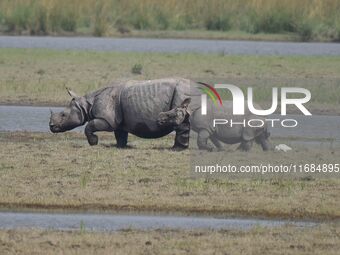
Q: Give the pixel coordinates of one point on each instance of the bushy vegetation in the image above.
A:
(311, 19)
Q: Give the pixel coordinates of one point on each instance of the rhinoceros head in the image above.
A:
(175, 116)
(71, 117)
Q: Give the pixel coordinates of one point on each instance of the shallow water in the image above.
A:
(109, 222)
(26, 118)
(311, 127)
(315, 130)
(171, 45)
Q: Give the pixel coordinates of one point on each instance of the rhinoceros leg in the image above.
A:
(94, 126)
(121, 137)
(217, 143)
(245, 145)
(182, 135)
(202, 140)
(265, 145)
(263, 141)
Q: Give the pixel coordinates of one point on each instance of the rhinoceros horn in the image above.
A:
(71, 93)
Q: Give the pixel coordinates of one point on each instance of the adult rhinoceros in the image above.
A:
(130, 107)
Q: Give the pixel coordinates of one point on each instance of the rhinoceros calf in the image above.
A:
(130, 107)
(203, 125)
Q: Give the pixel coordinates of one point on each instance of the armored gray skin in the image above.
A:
(130, 107)
(203, 125)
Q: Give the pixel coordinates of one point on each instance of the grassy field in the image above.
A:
(307, 20)
(41, 171)
(46, 171)
(321, 240)
(38, 76)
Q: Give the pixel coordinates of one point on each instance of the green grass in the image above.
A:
(317, 21)
(39, 76)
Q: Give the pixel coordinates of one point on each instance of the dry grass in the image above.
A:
(321, 240)
(63, 172)
(40, 76)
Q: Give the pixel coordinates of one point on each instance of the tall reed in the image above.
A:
(311, 19)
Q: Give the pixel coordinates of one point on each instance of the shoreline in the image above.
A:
(185, 34)
(163, 211)
(315, 111)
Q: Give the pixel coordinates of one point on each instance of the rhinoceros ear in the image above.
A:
(186, 103)
(71, 93)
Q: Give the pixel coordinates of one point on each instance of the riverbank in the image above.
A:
(39, 76)
(61, 172)
(186, 34)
